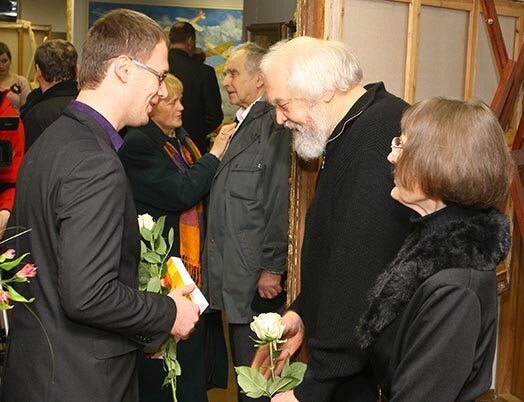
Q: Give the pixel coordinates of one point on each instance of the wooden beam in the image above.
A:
(514, 91)
(517, 141)
(471, 56)
(495, 34)
(501, 94)
(410, 82)
(517, 194)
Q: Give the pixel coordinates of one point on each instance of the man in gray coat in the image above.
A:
(246, 244)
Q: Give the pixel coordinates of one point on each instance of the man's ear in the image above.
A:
(122, 68)
(328, 96)
(259, 79)
(38, 71)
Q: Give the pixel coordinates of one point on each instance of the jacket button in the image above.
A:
(212, 241)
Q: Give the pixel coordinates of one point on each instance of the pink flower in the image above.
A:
(5, 297)
(28, 271)
(9, 254)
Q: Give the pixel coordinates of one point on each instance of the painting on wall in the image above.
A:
(218, 30)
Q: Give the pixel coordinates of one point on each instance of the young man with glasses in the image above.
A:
(73, 194)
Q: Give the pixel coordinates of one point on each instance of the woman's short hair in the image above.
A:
(313, 66)
(454, 151)
(174, 86)
(119, 32)
(5, 49)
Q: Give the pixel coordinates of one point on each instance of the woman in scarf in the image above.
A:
(431, 326)
(169, 177)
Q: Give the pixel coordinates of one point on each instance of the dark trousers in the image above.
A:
(203, 359)
(243, 351)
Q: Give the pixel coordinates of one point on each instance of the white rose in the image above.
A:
(145, 221)
(268, 326)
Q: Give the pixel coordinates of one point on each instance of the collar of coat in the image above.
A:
(453, 237)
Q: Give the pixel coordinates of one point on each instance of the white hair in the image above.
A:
(313, 66)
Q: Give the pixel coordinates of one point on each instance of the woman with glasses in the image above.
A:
(170, 178)
(431, 325)
(17, 85)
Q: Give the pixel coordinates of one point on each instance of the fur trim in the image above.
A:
(480, 242)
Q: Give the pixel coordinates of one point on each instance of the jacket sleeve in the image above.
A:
(439, 347)
(213, 114)
(153, 176)
(90, 214)
(277, 158)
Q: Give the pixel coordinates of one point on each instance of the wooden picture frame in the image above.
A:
(267, 34)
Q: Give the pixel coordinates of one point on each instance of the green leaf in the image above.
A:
(158, 228)
(252, 382)
(171, 237)
(154, 285)
(146, 234)
(17, 297)
(5, 306)
(143, 277)
(152, 257)
(161, 247)
(282, 384)
(295, 370)
(8, 266)
(143, 248)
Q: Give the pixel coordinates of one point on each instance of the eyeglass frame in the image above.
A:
(396, 143)
(161, 76)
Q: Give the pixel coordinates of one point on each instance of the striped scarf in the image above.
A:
(192, 220)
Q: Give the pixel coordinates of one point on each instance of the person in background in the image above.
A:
(202, 103)
(170, 178)
(246, 243)
(353, 228)
(72, 191)
(17, 85)
(56, 70)
(431, 325)
(11, 154)
(199, 55)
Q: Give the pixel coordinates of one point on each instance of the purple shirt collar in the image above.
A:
(115, 138)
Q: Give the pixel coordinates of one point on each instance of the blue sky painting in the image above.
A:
(216, 28)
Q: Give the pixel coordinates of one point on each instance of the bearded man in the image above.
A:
(353, 226)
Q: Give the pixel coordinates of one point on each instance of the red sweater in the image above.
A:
(16, 137)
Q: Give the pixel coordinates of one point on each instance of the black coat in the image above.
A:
(432, 320)
(202, 102)
(42, 109)
(353, 230)
(158, 186)
(73, 194)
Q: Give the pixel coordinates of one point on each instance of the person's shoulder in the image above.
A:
(384, 100)
(136, 137)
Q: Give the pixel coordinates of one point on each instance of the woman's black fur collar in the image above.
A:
(479, 241)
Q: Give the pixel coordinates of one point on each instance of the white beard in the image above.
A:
(310, 141)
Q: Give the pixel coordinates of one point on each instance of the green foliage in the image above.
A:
(255, 385)
(154, 252)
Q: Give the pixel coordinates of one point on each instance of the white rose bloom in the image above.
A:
(268, 326)
(145, 221)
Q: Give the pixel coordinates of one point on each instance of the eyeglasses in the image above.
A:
(396, 143)
(161, 76)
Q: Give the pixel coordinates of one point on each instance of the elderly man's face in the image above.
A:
(308, 120)
(240, 84)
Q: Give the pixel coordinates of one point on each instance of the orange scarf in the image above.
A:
(191, 223)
